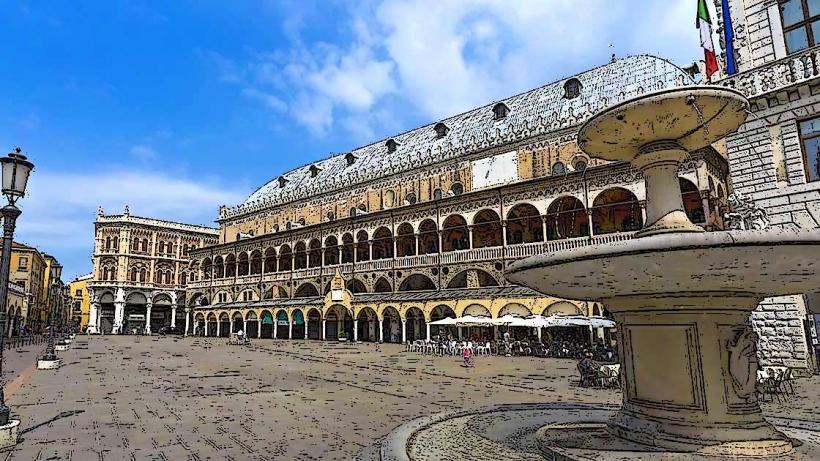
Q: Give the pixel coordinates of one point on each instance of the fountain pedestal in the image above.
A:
(681, 297)
(689, 372)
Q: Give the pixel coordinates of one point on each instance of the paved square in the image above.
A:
(127, 397)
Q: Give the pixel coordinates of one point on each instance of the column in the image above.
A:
(428, 330)
(459, 333)
(355, 330)
(206, 326)
(416, 238)
(92, 317)
(217, 326)
(707, 213)
(504, 232)
(119, 313)
(544, 226)
(538, 332)
(403, 330)
(381, 330)
(440, 247)
(470, 235)
(187, 321)
(173, 315)
(306, 328)
(148, 306)
(230, 325)
(259, 328)
(589, 220)
(290, 329)
(324, 329)
(275, 328)
(245, 326)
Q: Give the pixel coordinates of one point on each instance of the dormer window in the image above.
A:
(282, 181)
(572, 88)
(391, 145)
(314, 171)
(500, 111)
(441, 130)
(350, 158)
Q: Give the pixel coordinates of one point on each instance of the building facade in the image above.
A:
(17, 305)
(28, 270)
(376, 243)
(775, 156)
(141, 266)
(80, 301)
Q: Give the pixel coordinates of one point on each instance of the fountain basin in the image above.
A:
(727, 263)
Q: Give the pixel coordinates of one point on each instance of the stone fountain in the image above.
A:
(681, 296)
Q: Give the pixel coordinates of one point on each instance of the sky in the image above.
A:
(175, 108)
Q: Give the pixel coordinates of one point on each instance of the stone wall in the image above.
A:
(766, 165)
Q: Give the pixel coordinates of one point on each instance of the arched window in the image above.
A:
(183, 278)
(143, 274)
(524, 225)
(145, 245)
(616, 210)
(457, 189)
(108, 243)
(487, 229)
(410, 199)
(437, 194)
(500, 111)
(382, 243)
(558, 168)
(389, 199)
(134, 273)
(405, 240)
(567, 218)
(115, 242)
(455, 235)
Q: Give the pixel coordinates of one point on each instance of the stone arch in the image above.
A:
(439, 312)
(252, 324)
(616, 210)
(391, 324)
(297, 318)
(567, 218)
(382, 286)
(282, 320)
(266, 324)
(692, 201)
(315, 253)
(257, 262)
(224, 325)
(405, 240)
(356, 286)
(455, 235)
(515, 309)
(428, 237)
(416, 326)
(237, 322)
(314, 323)
(285, 258)
(331, 251)
(348, 248)
(337, 319)
(300, 260)
(243, 264)
(476, 310)
(417, 282)
(306, 290)
(382, 244)
(524, 224)
(487, 229)
(562, 308)
(230, 265)
(367, 325)
(270, 260)
(219, 267)
(472, 278)
(362, 246)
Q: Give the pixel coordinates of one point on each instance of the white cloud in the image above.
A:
(60, 208)
(434, 59)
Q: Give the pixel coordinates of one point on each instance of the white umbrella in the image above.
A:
(471, 321)
(580, 321)
(535, 321)
(444, 321)
(508, 320)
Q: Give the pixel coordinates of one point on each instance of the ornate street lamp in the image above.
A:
(16, 169)
(50, 354)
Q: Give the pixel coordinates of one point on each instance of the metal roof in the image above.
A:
(542, 110)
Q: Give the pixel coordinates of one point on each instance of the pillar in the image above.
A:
(538, 332)
(187, 321)
(403, 330)
(217, 326)
(119, 313)
(416, 238)
(428, 330)
(230, 325)
(290, 329)
(707, 213)
(244, 325)
(307, 322)
(92, 318)
(275, 328)
(173, 315)
(381, 330)
(470, 235)
(259, 327)
(206, 326)
(148, 306)
(589, 220)
(324, 329)
(459, 333)
(355, 330)
(504, 232)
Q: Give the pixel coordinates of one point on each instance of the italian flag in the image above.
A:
(704, 23)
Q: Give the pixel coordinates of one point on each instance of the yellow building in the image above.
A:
(376, 243)
(16, 309)
(28, 270)
(80, 300)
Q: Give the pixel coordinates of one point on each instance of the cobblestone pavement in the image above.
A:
(198, 398)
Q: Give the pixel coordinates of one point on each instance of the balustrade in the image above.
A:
(776, 75)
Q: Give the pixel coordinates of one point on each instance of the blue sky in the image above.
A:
(177, 107)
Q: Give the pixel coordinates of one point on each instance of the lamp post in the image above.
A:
(50, 354)
(16, 169)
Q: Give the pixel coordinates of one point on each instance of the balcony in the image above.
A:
(776, 75)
